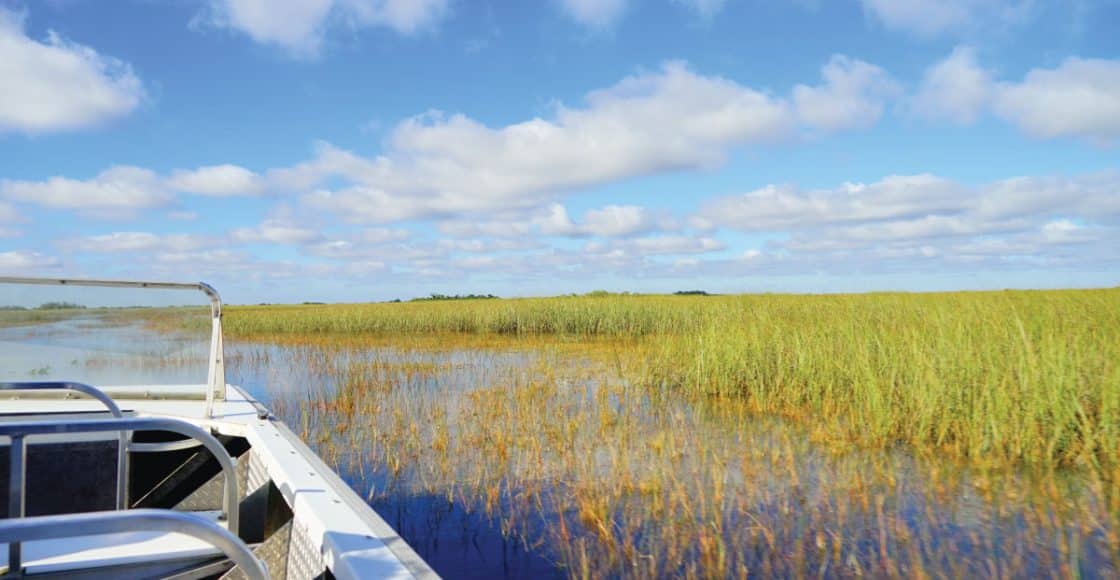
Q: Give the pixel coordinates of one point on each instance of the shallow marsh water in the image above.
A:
(536, 458)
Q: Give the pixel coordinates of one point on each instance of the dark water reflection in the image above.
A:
(536, 460)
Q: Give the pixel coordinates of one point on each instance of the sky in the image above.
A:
(364, 150)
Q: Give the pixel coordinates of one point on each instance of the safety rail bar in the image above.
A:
(96, 393)
(17, 431)
(125, 444)
(216, 375)
(15, 532)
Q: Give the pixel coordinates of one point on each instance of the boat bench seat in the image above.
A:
(108, 555)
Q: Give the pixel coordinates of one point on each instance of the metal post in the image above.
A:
(17, 501)
(216, 379)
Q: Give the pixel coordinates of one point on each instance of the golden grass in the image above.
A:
(901, 435)
(1005, 377)
(609, 477)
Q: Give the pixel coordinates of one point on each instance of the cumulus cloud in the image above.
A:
(57, 85)
(299, 26)
(852, 95)
(276, 231)
(122, 191)
(957, 89)
(26, 261)
(217, 181)
(438, 165)
(595, 14)
(554, 220)
(929, 18)
(1041, 220)
(116, 242)
(705, 8)
(659, 245)
(119, 191)
(8, 213)
(608, 221)
(381, 235)
(1079, 98)
(779, 207)
(282, 225)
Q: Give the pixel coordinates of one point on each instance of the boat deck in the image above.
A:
(332, 526)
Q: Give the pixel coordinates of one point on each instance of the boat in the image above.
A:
(175, 481)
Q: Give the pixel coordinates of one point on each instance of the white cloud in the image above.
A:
(956, 89)
(914, 219)
(609, 221)
(1079, 98)
(668, 245)
(119, 191)
(300, 25)
(553, 220)
(852, 96)
(403, 16)
(276, 232)
(437, 165)
(381, 235)
(779, 207)
(596, 14)
(517, 225)
(182, 215)
(281, 226)
(122, 191)
(57, 85)
(24, 261)
(480, 246)
(928, 18)
(8, 213)
(137, 242)
(217, 181)
(1064, 231)
(705, 8)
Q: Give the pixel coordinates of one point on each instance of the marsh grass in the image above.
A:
(26, 317)
(574, 458)
(902, 435)
(1001, 377)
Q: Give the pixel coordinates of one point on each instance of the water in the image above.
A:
(540, 459)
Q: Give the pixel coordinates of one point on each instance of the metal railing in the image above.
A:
(216, 375)
(96, 523)
(18, 431)
(94, 392)
(124, 445)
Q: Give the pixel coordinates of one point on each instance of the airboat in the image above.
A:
(175, 481)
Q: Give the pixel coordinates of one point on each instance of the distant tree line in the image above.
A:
(48, 306)
(432, 297)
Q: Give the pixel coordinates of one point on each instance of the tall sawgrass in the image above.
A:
(1007, 377)
(616, 316)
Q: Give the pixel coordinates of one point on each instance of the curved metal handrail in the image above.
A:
(20, 429)
(96, 393)
(216, 376)
(13, 531)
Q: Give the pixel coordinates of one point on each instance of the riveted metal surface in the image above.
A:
(273, 552)
(304, 559)
(258, 473)
(209, 495)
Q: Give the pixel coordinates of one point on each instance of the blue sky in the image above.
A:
(357, 150)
